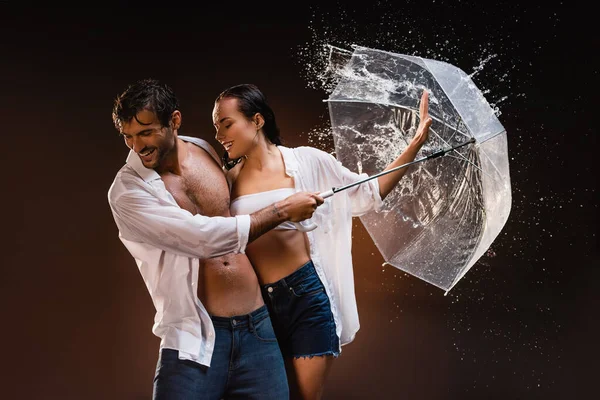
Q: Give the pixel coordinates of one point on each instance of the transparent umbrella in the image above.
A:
(445, 212)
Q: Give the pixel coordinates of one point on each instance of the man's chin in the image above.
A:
(149, 164)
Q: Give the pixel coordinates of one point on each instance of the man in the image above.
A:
(170, 202)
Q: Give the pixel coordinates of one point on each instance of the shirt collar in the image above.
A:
(291, 164)
(134, 161)
(148, 174)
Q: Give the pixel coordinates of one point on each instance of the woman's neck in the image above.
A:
(263, 155)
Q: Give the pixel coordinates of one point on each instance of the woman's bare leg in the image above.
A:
(306, 376)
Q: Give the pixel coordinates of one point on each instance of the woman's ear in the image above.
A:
(259, 121)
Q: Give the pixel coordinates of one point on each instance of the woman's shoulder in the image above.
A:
(232, 174)
(310, 152)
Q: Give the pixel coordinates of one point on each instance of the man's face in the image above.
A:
(151, 141)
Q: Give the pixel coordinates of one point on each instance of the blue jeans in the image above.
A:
(246, 364)
(301, 313)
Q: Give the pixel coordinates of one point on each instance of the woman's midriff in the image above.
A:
(227, 286)
(278, 253)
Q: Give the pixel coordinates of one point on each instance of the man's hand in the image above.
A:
(295, 208)
(300, 206)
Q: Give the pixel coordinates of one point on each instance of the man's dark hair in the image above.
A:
(145, 94)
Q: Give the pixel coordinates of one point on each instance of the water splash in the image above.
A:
(505, 81)
(487, 59)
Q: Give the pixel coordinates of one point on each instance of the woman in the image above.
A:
(306, 277)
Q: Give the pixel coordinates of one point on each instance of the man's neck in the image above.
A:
(174, 159)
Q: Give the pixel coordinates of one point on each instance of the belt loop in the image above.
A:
(251, 323)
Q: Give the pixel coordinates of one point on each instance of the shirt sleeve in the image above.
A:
(364, 197)
(143, 217)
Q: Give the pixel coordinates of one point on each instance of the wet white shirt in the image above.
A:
(314, 170)
(167, 242)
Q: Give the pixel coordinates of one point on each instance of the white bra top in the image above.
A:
(249, 203)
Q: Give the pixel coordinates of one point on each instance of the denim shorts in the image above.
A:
(301, 314)
(246, 364)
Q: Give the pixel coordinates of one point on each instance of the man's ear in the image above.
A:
(176, 120)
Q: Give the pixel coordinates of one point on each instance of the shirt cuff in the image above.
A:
(378, 202)
(243, 231)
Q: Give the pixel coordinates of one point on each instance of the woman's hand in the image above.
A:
(424, 121)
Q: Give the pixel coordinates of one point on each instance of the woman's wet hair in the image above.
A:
(250, 102)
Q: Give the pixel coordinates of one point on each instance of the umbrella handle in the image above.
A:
(326, 194)
(311, 225)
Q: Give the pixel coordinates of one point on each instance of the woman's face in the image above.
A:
(235, 132)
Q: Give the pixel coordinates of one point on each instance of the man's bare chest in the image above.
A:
(201, 188)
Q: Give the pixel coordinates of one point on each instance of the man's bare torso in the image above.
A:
(227, 285)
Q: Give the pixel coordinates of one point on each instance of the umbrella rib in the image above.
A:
(463, 158)
(397, 106)
(456, 129)
(453, 193)
(479, 238)
(450, 98)
(340, 49)
(456, 151)
(448, 144)
(493, 165)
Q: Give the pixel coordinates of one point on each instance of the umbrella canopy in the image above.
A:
(446, 212)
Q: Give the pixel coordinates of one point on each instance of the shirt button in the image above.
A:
(270, 289)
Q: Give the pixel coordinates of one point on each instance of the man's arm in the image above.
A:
(295, 208)
(142, 217)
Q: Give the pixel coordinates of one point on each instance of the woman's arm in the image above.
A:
(387, 182)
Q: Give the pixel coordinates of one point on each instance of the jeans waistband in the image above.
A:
(241, 321)
(296, 276)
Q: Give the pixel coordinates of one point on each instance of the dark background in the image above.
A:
(76, 316)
